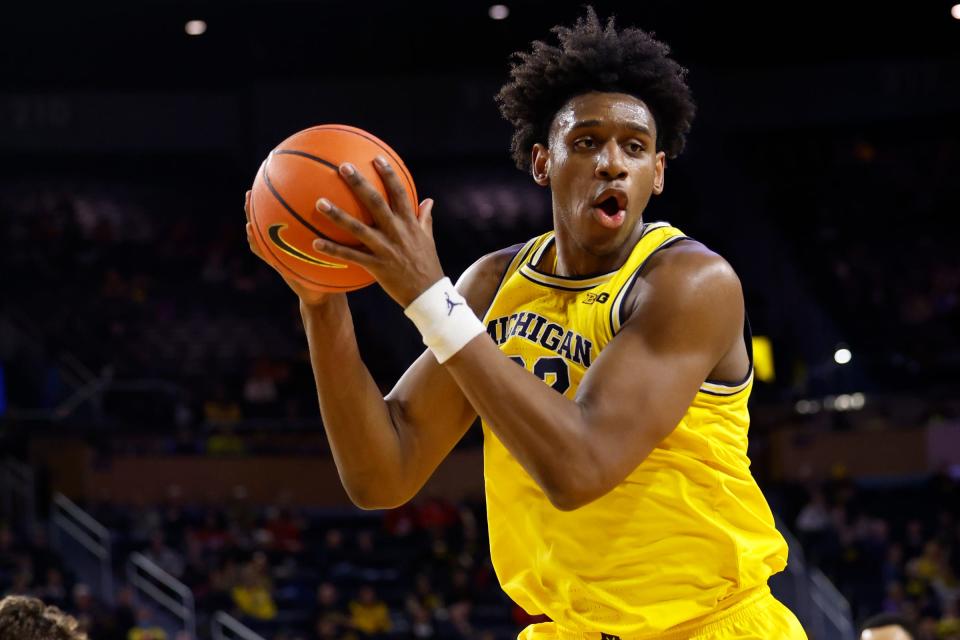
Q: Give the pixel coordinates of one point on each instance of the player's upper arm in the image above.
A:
(686, 315)
(427, 407)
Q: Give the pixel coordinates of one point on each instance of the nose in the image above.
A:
(610, 162)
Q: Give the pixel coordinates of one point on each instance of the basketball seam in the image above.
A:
(283, 203)
(385, 149)
(304, 154)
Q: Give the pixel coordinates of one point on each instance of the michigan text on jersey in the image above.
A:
(537, 329)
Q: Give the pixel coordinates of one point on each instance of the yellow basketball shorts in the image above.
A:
(759, 616)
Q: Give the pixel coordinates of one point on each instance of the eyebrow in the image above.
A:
(584, 124)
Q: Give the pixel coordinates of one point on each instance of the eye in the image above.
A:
(583, 143)
(635, 147)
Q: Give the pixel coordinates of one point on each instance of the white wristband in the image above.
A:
(444, 319)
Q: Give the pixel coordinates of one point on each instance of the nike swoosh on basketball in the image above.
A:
(290, 250)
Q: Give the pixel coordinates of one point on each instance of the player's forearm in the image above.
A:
(362, 435)
(544, 430)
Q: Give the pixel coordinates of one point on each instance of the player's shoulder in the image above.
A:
(684, 273)
(479, 283)
(690, 262)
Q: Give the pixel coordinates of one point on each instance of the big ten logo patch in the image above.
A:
(590, 298)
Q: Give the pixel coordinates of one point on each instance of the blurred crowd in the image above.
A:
(137, 282)
(422, 571)
(888, 549)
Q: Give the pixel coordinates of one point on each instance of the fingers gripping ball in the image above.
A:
(301, 170)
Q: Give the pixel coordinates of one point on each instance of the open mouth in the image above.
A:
(610, 208)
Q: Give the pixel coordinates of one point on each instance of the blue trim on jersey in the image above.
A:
(628, 286)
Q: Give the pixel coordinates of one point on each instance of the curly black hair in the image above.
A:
(28, 618)
(595, 57)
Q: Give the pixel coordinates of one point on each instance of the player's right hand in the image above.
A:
(307, 296)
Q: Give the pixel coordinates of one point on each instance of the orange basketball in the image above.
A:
(301, 170)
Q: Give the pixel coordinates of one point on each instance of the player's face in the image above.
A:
(602, 167)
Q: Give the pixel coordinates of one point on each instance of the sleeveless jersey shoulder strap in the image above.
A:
(531, 250)
(657, 236)
(521, 256)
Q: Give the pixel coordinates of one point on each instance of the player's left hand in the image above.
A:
(400, 250)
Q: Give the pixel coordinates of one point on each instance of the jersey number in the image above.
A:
(551, 369)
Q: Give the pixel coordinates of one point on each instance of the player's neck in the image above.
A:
(567, 259)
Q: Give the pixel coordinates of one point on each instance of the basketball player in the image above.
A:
(620, 499)
(27, 618)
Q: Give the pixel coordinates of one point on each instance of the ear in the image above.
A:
(658, 173)
(540, 164)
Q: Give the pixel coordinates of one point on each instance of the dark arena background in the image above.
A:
(165, 473)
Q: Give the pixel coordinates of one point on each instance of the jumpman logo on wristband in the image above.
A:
(450, 304)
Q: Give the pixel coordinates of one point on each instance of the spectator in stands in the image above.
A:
(260, 391)
(26, 618)
(368, 614)
(892, 568)
(196, 571)
(915, 539)
(87, 611)
(814, 518)
(212, 535)
(461, 590)
(224, 577)
(949, 625)
(146, 628)
(330, 611)
(888, 626)
(145, 519)
(163, 556)
(219, 410)
(53, 591)
(42, 557)
(122, 618)
(328, 630)
(946, 585)
(331, 553)
(421, 624)
(252, 596)
(283, 531)
(459, 613)
(896, 597)
(423, 597)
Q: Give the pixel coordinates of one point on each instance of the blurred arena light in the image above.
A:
(842, 355)
(955, 11)
(499, 12)
(843, 402)
(857, 401)
(806, 407)
(195, 27)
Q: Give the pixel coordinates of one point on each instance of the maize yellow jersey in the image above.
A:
(685, 532)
